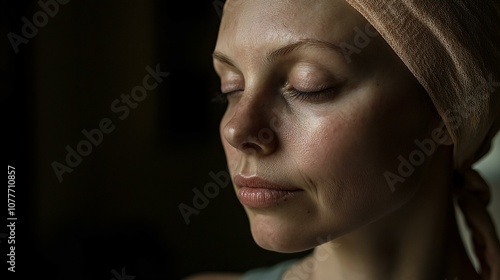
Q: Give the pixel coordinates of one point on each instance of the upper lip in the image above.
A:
(259, 183)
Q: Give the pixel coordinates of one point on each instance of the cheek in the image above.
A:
(342, 168)
(345, 155)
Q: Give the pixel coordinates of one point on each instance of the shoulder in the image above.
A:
(215, 276)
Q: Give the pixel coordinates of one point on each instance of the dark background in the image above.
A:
(119, 207)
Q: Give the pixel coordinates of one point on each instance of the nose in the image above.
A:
(250, 129)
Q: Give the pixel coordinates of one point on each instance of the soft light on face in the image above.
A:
(303, 116)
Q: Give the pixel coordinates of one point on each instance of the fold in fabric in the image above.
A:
(452, 47)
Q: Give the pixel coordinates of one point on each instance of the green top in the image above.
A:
(269, 273)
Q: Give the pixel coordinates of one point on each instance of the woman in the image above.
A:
(351, 128)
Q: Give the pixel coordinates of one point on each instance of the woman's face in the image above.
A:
(319, 108)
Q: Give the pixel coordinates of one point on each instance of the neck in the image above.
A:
(419, 241)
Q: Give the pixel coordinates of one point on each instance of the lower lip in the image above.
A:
(263, 198)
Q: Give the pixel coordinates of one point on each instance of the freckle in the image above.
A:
(308, 211)
(286, 199)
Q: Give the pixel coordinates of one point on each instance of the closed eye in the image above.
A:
(223, 97)
(313, 96)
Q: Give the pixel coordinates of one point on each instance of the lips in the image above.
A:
(256, 192)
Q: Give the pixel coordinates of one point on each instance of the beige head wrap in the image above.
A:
(453, 48)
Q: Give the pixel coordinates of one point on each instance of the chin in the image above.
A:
(290, 235)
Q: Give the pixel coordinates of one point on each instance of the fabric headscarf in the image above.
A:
(452, 47)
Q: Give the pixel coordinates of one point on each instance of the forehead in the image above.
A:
(262, 24)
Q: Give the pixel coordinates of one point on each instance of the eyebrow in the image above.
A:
(285, 50)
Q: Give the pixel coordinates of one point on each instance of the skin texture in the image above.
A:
(335, 146)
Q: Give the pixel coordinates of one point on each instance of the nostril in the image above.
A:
(251, 146)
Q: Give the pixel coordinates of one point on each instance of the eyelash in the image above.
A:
(222, 97)
(312, 95)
